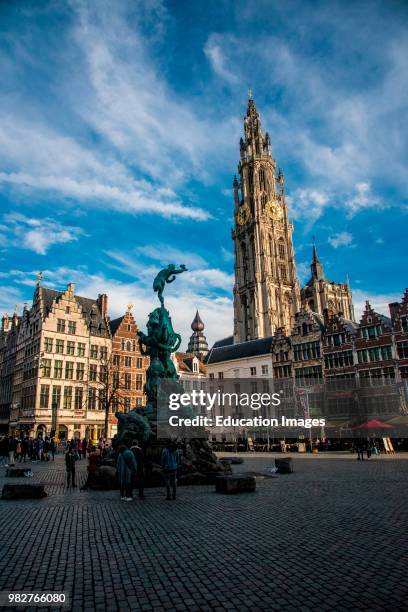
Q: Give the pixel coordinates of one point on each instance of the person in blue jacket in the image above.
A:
(126, 468)
(169, 464)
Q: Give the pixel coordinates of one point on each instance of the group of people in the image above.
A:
(129, 460)
(368, 447)
(21, 449)
(79, 447)
(130, 470)
(76, 449)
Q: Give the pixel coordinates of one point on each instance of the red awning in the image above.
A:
(372, 425)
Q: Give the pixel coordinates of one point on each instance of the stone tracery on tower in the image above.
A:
(266, 292)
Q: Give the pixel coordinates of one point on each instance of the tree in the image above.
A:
(106, 385)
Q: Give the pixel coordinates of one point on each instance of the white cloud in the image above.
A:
(227, 254)
(165, 254)
(9, 297)
(130, 104)
(38, 235)
(40, 159)
(201, 279)
(218, 59)
(342, 239)
(307, 204)
(328, 122)
(303, 271)
(378, 301)
(121, 137)
(181, 298)
(361, 199)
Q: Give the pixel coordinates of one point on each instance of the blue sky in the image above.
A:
(119, 132)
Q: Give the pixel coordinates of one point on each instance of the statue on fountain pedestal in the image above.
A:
(159, 343)
(199, 464)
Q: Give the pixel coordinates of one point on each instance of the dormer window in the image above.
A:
(369, 320)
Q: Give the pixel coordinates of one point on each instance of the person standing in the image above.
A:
(169, 464)
(34, 456)
(138, 453)
(12, 445)
(361, 446)
(24, 449)
(3, 451)
(70, 458)
(52, 448)
(18, 450)
(40, 448)
(84, 447)
(46, 449)
(126, 469)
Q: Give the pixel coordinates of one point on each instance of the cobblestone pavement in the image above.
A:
(331, 536)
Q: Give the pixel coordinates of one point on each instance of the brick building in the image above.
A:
(57, 367)
(8, 353)
(128, 365)
(399, 320)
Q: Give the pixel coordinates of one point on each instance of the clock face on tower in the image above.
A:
(274, 210)
(243, 214)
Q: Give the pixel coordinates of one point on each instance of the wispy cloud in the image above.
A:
(362, 198)
(182, 298)
(39, 159)
(218, 59)
(307, 204)
(38, 235)
(342, 239)
(378, 301)
(164, 254)
(335, 125)
(199, 277)
(133, 107)
(303, 271)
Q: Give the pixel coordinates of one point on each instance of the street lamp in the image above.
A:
(54, 408)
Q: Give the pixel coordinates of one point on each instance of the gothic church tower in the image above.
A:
(266, 291)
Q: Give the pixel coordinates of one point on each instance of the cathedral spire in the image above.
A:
(266, 291)
(254, 140)
(316, 267)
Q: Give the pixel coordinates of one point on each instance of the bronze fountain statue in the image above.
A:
(141, 423)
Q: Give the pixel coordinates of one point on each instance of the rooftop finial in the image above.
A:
(129, 306)
(250, 94)
(197, 324)
(39, 277)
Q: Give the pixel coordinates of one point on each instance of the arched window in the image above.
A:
(304, 329)
(253, 259)
(128, 346)
(244, 262)
(262, 179)
(281, 249)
